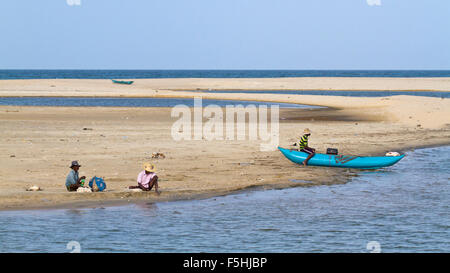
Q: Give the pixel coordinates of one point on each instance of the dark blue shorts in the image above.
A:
(307, 150)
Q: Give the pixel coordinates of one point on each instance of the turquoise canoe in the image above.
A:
(122, 82)
(343, 161)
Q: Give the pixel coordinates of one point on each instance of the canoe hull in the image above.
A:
(122, 82)
(342, 161)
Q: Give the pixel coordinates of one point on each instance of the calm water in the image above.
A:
(132, 102)
(338, 93)
(405, 208)
(141, 74)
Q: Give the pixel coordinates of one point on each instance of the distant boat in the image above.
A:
(123, 82)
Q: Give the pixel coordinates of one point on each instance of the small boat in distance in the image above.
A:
(342, 161)
(122, 82)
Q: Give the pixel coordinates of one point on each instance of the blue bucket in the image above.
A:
(99, 181)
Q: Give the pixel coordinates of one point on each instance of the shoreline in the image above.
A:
(151, 197)
(39, 141)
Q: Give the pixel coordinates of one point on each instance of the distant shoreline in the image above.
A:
(159, 86)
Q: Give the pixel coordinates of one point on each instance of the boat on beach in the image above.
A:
(122, 82)
(342, 161)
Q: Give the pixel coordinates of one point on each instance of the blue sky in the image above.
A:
(225, 34)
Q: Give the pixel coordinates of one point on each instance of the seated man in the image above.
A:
(73, 182)
(303, 146)
(147, 179)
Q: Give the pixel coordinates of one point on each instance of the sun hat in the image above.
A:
(307, 131)
(149, 167)
(74, 164)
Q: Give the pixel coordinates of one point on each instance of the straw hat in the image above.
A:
(306, 131)
(149, 167)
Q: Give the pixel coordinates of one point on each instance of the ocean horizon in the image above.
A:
(10, 74)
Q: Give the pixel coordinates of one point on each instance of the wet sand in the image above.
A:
(37, 145)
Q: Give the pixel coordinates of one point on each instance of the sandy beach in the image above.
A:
(148, 87)
(37, 144)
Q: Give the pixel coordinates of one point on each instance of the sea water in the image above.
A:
(402, 208)
(133, 102)
(156, 74)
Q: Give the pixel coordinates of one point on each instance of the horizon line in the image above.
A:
(227, 69)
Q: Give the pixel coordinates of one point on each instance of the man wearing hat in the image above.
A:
(147, 178)
(303, 146)
(73, 182)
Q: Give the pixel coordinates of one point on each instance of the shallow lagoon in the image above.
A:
(132, 102)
